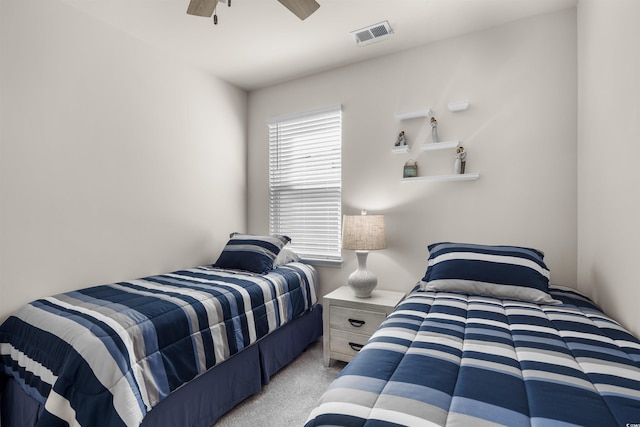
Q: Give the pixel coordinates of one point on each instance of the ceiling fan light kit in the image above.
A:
(207, 8)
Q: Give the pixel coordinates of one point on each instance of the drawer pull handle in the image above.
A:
(355, 347)
(356, 323)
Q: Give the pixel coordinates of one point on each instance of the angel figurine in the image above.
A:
(434, 129)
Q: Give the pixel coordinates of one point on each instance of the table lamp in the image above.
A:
(363, 233)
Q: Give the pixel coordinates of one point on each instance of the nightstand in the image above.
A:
(349, 321)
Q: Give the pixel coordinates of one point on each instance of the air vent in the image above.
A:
(373, 33)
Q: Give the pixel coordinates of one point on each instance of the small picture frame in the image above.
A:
(410, 169)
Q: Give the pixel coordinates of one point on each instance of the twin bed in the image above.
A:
(177, 349)
(482, 340)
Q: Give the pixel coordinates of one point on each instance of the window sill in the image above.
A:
(323, 262)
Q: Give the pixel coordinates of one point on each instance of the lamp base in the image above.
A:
(362, 281)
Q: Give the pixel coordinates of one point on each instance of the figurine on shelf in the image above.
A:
(461, 159)
(434, 129)
(402, 140)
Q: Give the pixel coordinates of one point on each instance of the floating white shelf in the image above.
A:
(458, 106)
(400, 149)
(428, 146)
(435, 178)
(425, 112)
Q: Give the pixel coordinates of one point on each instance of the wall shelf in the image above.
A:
(458, 106)
(400, 149)
(432, 146)
(428, 146)
(440, 178)
(415, 114)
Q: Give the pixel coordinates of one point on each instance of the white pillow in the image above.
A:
(285, 256)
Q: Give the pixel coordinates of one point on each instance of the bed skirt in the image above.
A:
(204, 400)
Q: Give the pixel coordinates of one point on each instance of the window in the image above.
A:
(305, 182)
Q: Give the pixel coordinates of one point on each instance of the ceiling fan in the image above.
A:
(301, 8)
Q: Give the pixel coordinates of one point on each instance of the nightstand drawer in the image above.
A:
(354, 320)
(347, 342)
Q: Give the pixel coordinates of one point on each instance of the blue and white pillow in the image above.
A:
(251, 253)
(506, 272)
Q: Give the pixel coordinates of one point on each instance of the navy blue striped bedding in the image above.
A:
(106, 355)
(448, 359)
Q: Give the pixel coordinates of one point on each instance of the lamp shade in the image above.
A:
(363, 232)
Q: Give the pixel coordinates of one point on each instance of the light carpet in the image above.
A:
(290, 395)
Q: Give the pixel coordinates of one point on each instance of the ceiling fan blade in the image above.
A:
(202, 7)
(301, 8)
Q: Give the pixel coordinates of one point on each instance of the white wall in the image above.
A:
(520, 134)
(106, 145)
(115, 162)
(608, 154)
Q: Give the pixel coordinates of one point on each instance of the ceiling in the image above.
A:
(258, 43)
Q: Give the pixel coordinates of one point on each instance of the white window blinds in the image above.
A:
(305, 182)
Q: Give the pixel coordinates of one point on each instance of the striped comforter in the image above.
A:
(104, 356)
(445, 359)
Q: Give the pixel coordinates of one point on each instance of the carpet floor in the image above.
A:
(290, 395)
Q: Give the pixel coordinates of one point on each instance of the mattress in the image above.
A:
(106, 355)
(450, 359)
